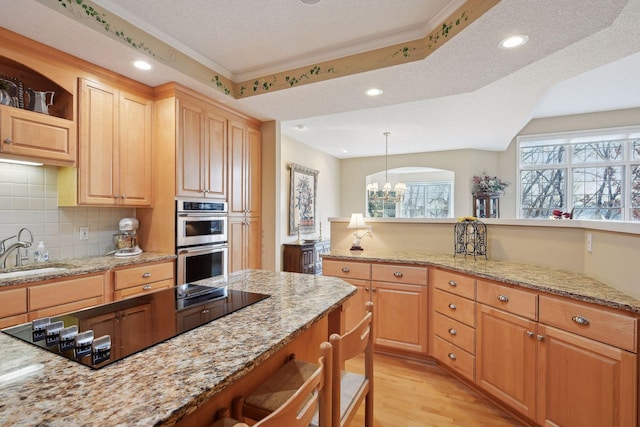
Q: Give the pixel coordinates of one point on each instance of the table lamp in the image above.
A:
(357, 222)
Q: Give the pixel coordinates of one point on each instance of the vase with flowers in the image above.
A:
(485, 184)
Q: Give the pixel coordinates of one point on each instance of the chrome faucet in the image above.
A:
(4, 253)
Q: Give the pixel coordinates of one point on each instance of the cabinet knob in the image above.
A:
(205, 311)
(540, 337)
(580, 320)
(453, 283)
(397, 274)
(452, 356)
(373, 289)
(453, 332)
(503, 298)
(146, 275)
(345, 269)
(529, 334)
(452, 306)
(116, 196)
(7, 141)
(124, 196)
(146, 287)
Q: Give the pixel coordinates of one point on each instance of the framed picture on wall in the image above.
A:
(302, 199)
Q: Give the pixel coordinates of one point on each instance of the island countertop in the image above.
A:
(160, 385)
(558, 282)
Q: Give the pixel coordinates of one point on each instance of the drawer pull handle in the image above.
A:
(452, 356)
(503, 298)
(345, 269)
(453, 332)
(398, 274)
(530, 334)
(540, 337)
(580, 320)
(7, 141)
(146, 287)
(452, 306)
(453, 283)
(146, 275)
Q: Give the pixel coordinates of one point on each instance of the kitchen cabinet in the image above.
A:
(388, 287)
(201, 151)
(305, 257)
(137, 280)
(126, 338)
(244, 243)
(60, 296)
(245, 168)
(114, 165)
(13, 309)
(454, 321)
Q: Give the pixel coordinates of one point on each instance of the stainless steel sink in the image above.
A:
(31, 272)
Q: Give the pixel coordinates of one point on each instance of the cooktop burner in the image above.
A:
(98, 336)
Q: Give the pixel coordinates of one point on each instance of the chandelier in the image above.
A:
(386, 195)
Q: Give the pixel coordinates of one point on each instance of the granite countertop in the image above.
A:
(160, 385)
(559, 282)
(78, 266)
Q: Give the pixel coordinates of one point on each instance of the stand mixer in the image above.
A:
(126, 241)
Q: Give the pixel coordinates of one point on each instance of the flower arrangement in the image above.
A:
(486, 183)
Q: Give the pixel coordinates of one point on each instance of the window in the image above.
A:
(429, 194)
(595, 175)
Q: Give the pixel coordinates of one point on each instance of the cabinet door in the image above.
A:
(98, 131)
(238, 186)
(253, 172)
(237, 230)
(506, 358)
(584, 383)
(253, 242)
(190, 150)
(134, 148)
(400, 316)
(215, 164)
(354, 307)
(135, 329)
(37, 136)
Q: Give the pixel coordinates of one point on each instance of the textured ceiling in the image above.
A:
(582, 56)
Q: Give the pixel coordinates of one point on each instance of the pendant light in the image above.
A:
(397, 195)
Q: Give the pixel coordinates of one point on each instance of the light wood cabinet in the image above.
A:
(245, 168)
(114, 165)
(13, 309)
(244, 243)
(65, 295)
(201, 151)
(137, 280)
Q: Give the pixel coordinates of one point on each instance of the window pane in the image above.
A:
(542, 191)
(427, 200)
(381, 208)
(635, 192)
(542, 155)
(597, 192)
(635, 149)
(602, 151)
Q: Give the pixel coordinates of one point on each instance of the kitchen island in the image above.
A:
(172, 381)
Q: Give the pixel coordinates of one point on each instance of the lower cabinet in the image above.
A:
(140, 279)
(244, 243)
(13, 309)
(65, 295)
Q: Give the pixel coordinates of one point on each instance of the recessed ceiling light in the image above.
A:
(374, 92)
(301, 127)
(514, 41)
(310, 1)
(142, 65)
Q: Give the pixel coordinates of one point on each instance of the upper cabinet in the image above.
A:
(201, 151)
(36, 110)
(245, 166)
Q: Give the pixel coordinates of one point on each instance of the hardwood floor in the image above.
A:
(414, 394)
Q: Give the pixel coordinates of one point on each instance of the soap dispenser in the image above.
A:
(41, 254)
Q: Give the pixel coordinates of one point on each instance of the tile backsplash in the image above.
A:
(29, 198)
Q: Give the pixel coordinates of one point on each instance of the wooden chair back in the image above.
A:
(357, 341)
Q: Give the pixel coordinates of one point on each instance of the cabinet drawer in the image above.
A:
(57, 310)
(353, 270)
(14, 301)
(454, 306)
(455, 332)
(142, 289)
(611, 328)
(455, 283)
(454, 357)
(66, 291)
(140, 275)
(516, 301)
(399, 274)
(19, 319)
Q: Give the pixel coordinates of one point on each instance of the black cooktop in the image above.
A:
(98, 336)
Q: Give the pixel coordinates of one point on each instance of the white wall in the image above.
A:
(329, 185)
(29, 198)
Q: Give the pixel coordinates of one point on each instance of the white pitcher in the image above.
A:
(38, 101)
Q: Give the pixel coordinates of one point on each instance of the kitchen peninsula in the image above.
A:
(171, 382)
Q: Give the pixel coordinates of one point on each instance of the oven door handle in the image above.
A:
(196, 250)
(203, 214)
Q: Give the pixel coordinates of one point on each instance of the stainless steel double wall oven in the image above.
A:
(201, 239)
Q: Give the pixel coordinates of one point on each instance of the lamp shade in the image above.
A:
(357, 221)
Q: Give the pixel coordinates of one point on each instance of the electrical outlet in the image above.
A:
(589, 247)
(84, 233)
